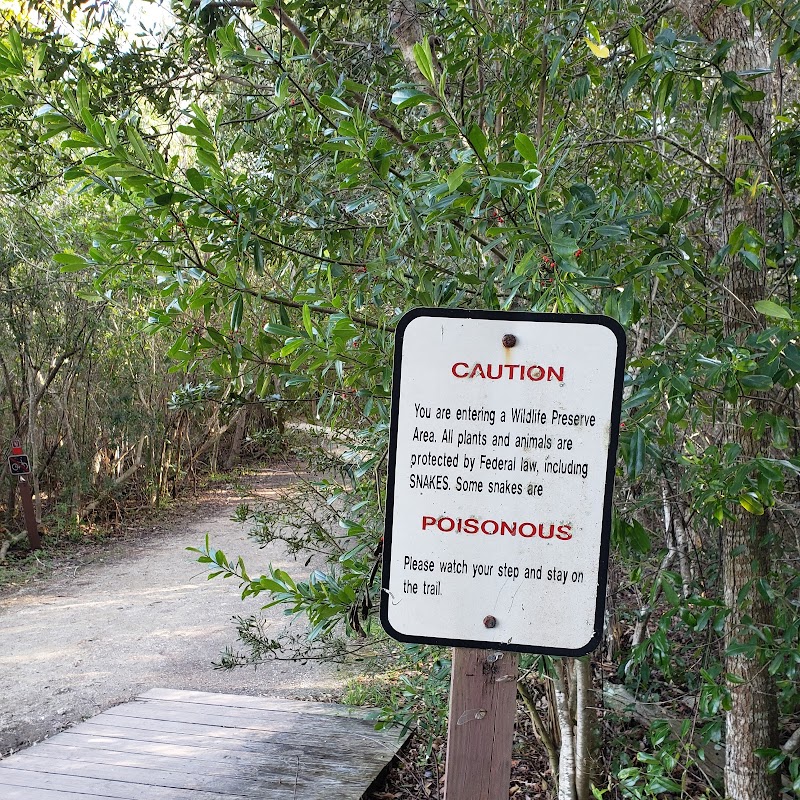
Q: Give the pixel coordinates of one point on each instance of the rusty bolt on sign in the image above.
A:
(490, 621)
(509, 340)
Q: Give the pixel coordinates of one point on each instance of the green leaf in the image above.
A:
(138, 144)
(456, 177)
(424, 60)
(237, 312)
(751, 502)
(408, 98)
(526, 148)
(636, 454)
(258, 258)
(770, 309)
(638, 537)
(525, 261)
(669, 590)
(787, 223)
(348, 166)
(196, 180)
(532, 178)
(335, 104)
(637, 43)
(16, 45)
(281, 331)
(11, 100)
(758, 382)
(579, 298)
(70, 262)
(679, 208)
(211, 50)
(477, 139)
(91, 297)
(216, 337)
(662, 784)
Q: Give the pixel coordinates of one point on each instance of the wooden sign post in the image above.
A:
(31, 526)
(483, 704)
(19, 465)
(498, 516)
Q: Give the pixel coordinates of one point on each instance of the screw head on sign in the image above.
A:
(489, 621)
(509, 340)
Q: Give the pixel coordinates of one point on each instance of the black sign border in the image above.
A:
(23, 459)
(605, 534)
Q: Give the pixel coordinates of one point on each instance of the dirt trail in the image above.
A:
(138, 614)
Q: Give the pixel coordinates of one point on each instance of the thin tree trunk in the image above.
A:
(585, 722)
(163, 466)
(212, 441)
(124, 478)
(675, 542)
(33, 440)
(182, 422)
(69, 437)
(640, 629)
(566, 765)
(234, 455)
(682, 545)
(540, 728)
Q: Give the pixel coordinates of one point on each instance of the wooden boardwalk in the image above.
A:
(178, 745)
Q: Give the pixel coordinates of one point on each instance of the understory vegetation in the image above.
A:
(107, 426)
(214, 222)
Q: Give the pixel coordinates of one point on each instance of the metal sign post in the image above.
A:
(503, 442)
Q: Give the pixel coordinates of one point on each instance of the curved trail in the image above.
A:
(138, 614)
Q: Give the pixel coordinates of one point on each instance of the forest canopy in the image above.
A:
(253, 195)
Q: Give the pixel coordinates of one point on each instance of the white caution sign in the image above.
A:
(503, 441)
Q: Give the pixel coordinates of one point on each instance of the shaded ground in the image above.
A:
(140, 613)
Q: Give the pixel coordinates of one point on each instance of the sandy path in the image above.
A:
(139, 614)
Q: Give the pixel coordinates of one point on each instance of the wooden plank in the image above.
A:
(114, 788)
(184, 772)
(345, 745)
(293, 725)
(256, 703)
(320, 722)
(226, 739)
(236, 753)
(324, 770)
(202, 746)
(209, 783)
(27, 793)
(277, 732)
(483, 704)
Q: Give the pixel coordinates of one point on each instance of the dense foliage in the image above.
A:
(282, 181)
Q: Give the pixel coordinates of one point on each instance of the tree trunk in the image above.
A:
(122, 479)
(234, 455)
(566, 765)
(751, 722)
(69, 438)
(541, 729)
(33, 440)
(585, 721)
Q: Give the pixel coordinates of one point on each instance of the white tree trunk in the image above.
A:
(584, 728)
(566, 764)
